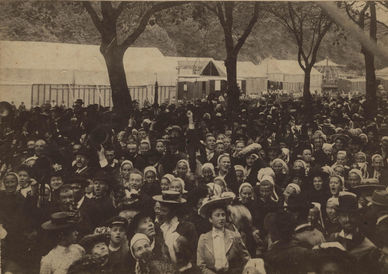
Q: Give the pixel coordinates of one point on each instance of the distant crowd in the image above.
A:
(191, 188)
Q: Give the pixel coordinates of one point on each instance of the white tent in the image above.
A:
(290, 73)
(382, 72)
(23, 64)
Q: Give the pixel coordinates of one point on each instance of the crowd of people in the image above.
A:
(192, 188)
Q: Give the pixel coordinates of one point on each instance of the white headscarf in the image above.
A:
(150, 168)
(284, 165)
(181, 182)
(265, 171)
(296, 187)
(209, 166)
(126, 162)
(245, 185)
(216, 189)
(186, 163)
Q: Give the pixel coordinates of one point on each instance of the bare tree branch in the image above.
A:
(119, 9)
(144, 21)
(96, 20)
(209, 7)
(248, 29)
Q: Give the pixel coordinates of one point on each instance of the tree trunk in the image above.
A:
(370, 85)
(232, 88)
(118, 81)
(307, 99)
(370, 76)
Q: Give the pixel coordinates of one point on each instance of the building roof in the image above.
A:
(327, 62)
(290, 67)
(189, 65)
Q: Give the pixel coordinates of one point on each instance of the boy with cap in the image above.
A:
(118, 246)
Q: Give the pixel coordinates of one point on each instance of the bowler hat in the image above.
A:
(347, 203)
(60, 220)
(380, 197)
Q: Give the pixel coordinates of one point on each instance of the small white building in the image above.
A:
(290, 74)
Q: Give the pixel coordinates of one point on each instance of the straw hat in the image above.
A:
(169, 197)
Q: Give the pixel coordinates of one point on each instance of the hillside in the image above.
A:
(68, 22)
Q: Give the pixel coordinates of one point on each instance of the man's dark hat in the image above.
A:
(344, 138)
(83, 151)
(318, 172)
(89, 241)
(380, 197)
(79, 101)
(347, 203)
(60, 220)
(102, 176)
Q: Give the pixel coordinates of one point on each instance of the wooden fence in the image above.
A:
(91, 94)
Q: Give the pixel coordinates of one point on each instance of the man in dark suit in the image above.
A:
(380, 209)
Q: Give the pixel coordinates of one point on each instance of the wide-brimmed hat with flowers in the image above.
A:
(212, 202)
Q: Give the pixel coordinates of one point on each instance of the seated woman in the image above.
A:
(220, 250)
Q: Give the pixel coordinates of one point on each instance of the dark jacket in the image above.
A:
(286, 257)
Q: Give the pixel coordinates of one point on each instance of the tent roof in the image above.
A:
(82, 60)
(327, 62)
(245, 69)
(290, 67)
(382, 72)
